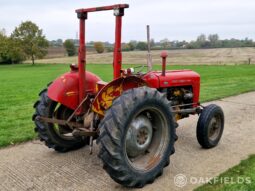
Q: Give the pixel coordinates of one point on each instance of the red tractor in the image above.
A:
(134, 117)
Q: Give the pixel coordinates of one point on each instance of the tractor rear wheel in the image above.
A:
(137, 137)
(57, 137)
(210, 126)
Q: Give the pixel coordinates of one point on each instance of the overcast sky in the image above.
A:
(172, 19)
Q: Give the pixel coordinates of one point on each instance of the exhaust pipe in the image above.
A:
(149, 58)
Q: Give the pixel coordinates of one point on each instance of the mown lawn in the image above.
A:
(237, 178)
(20, 85)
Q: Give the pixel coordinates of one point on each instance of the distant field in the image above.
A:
(220, 56)
(20, 85)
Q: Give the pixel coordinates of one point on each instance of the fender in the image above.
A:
(112, 90)
(65, 89)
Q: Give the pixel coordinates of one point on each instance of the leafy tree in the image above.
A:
(109, 49)
(56, 43)
(201, 38)
(131, 46)
(3, 32)
(70, 47)
(128, 46)
(248, 42)
(141, 46)
(34, 43)
(182, 44)
(16, 53)
(59, 42)
(10, 50)
(214, 40)
(165, 43)
(201, 41)
(193, 45)
(133, 43)
(4, 58)
(125, 47)
(99, 47)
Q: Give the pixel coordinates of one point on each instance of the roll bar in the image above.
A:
(104, 8)
(82, 15)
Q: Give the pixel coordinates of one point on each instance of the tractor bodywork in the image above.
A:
(71, 88)
(133, 117)
(175, 79)
(65, 89)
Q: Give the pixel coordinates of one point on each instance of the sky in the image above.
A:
(172, 19)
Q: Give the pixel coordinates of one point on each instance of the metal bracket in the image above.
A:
(82, 15)
(118, 12)
(80, 127)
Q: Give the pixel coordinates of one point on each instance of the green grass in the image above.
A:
(244, 172)
(20, 85)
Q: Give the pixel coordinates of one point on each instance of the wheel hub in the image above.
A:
(214, 129)
(139, 136)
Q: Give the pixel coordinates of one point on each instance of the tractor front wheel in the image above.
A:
(57, 137)
(210, 126)
(137, 137)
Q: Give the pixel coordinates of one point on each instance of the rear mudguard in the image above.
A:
(65, 89)
(112, 90)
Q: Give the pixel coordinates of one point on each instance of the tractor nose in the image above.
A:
(164, 55)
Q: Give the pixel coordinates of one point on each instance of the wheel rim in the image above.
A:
(63, 131)
(146, 139)
(139, 136)
(214, 129)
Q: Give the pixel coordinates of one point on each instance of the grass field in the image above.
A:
(220, 56)
(20, 85)
(240, 177)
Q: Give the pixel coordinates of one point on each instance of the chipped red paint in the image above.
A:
(174, 78)
(117, 57)
(65, 89)
(114, 89)
(82, 62)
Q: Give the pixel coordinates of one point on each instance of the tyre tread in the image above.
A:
(112, 161)
(42, 108)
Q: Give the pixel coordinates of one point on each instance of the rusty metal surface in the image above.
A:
(59, 121)
(152, 162)
(82, 131)
(185, 111)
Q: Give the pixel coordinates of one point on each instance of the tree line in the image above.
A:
(202, 42)
(213, 41)
(28, 42)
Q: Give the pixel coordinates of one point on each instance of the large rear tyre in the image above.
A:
(57, 137)
(210, 126)
(137, 137)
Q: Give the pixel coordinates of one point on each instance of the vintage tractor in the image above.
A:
(134, 117)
